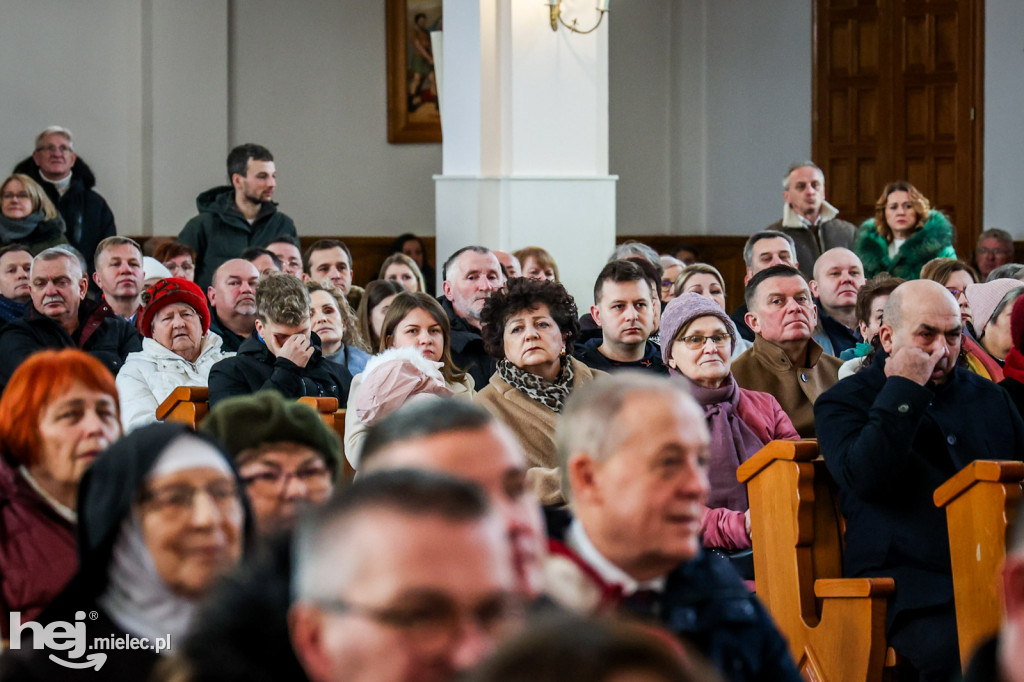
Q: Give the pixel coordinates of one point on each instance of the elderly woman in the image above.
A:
(706, 280)
(285, 454)
(178, 350)
(334, 322)
(400, 268)
(161, 518)
(698, 338)
(991, 304)
(904, 234)
(179, 258)
(530, 328)
(27, 216)
(58, 412)
(415, 360)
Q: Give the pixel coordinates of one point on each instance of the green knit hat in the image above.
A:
(248, 421)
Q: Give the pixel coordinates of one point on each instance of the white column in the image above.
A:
(525, 124)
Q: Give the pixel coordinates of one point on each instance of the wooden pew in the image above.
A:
(186, 404)
(835, 626)
(335, 419)
(978, 501)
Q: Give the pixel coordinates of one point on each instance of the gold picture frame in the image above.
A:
(413, 113)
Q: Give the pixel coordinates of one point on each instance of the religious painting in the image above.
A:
(413, 113)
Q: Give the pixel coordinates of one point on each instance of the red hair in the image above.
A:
(37, 381)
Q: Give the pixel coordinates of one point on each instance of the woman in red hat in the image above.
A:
(178, 350)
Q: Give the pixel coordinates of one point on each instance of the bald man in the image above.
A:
(890, 435)
(838, 276)
(233, 302)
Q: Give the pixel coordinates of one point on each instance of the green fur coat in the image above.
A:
(933, 240)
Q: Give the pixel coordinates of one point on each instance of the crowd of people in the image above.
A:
(543, 491)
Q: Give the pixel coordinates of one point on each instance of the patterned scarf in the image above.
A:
(550, 395)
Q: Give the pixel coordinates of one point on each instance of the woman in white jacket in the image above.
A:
(178, 350)
(415, 361)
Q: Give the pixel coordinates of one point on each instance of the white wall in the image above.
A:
(1004, 105)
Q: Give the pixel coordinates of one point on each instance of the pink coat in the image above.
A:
(725, 528)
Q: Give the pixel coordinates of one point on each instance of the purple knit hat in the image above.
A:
(682, 310)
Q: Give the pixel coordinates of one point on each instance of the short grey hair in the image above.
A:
(56, 130)
(64, 251)
(632, 249)
(482, 250)
(800, 164)
(1006, 271)
(587, 422)
(996, 233)
(748, 248)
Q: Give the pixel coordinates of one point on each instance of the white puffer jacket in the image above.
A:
(150, 375)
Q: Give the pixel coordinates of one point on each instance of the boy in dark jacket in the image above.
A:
(283, 354)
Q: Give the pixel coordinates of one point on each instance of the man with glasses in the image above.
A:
(784, 360)
(285, 454)
(995, 248)
(404, 577)
(69, 182)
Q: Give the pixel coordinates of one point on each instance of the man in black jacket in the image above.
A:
(61, 318)
(471, 274)
(283, 354)
(633, 449)
(890, 435)
(69, 183)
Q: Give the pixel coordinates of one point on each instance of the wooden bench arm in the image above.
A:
(322, 405)
(182, 394)
(789, 450)
(853, 588)
(980, 470)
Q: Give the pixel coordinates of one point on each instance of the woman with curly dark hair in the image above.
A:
(530, 328)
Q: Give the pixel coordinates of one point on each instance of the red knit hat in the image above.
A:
(164, 292)
(1017, 324)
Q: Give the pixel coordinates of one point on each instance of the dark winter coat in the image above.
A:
(255, 368)
(87, 218)
(107, 494)
(44, 234)
(37, 549)
(589, 355)
(889, 443)
(831, 234)
(933, 240)
(467, 347)
(108, 338)
(706, 604)
(220, 232)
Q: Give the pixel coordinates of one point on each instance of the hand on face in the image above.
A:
(920, 366)
(297, 349)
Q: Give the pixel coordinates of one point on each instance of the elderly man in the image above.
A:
(808, 218)
(119, 275)
(448, 436)
(15, 293)
(624, 310)
(511, 264)
(283, 354)
(233, 302)
(890, 435)
(404, 576)
(838, 276)
(785, 360)
(60, 318)
(762, 250)
(995, 248)
(68, 182)
(471, 274)
(233, 218)
(633, 451)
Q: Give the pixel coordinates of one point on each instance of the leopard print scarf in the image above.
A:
(550, 395)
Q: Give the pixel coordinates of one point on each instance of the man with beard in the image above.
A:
(231, 219)
(233, 302)
(471, 274)
(890, 435)
(61, 317)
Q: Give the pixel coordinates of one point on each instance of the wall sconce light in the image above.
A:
(556, 16)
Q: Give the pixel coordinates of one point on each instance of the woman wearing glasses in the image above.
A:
(698, 339)
(27, 216)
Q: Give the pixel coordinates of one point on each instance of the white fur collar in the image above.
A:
(410, 355)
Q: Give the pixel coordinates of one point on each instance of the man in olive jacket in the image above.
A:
(231, 219)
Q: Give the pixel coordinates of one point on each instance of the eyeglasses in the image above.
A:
(62, 148)
(316, 478)
(956, 292)
(698, 341)
(435, 623)
(993, 252)
(177, 501)
(7, 196)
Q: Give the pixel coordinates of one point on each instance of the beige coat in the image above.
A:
(766, 367)
(534, 426)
